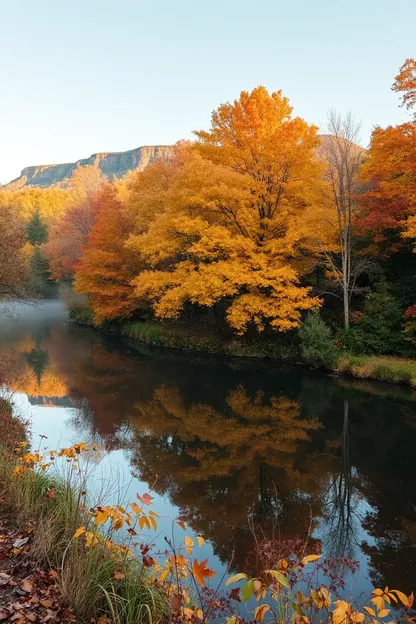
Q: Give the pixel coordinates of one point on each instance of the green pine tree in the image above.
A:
(39, 269)
(37, 230)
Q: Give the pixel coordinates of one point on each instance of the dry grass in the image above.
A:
(384, 368)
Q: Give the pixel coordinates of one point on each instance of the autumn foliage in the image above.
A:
(253, 224)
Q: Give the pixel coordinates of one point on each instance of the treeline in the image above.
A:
(256, 224)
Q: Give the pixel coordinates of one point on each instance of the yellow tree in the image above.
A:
(238, 220)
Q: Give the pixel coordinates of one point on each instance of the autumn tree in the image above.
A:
(50, 202)
(405, 83)
(69, 234)
(12, 265)
(343, 158)
(236, 224)
(107, 267)
(390, 172)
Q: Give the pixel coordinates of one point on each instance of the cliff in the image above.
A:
(112, 164)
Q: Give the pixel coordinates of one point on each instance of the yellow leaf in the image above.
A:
(153, 522)
(377, 592)
(310, 558)
(357, 617)
(370, 611)
(237, 577)
(200, 540)
(383, 613)
(379, 602)
(164, 575)
(188, 541)
(79, 532)
(137, 510)
(260, 612)
(401, 596)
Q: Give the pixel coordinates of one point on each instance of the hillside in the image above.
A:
(112, 164)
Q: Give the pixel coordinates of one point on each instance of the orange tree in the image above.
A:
(237, 222)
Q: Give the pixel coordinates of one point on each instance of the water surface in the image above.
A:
(244, 452)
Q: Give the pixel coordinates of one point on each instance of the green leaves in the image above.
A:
(279, 577)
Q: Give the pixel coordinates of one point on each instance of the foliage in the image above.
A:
(317, 346)
(379, 330)
(54, 505)
(12, 264)
(106, 268)
(238, 219)
(37, 230)
(390, 173)
(405, 83)
(39, 283)
(50, 202)
(70, 232)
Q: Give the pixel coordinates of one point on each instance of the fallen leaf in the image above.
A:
(27, 586)
(20, 542)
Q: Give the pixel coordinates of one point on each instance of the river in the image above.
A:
(257, 458)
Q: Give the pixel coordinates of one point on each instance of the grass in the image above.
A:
(51, 507)
(382, 367)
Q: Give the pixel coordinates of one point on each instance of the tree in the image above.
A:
(12, 266)
(343, 159)
(39, 283)
(236, 224)
(69, 234)
(37, 230)
(405, 83)
(107, 267)
(390, 200)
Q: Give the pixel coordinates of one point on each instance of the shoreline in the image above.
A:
(382, 368)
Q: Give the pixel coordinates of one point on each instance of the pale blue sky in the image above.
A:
(85, 76)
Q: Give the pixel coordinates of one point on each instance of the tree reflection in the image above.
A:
(248, 454)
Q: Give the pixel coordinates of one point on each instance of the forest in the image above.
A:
(263, 229)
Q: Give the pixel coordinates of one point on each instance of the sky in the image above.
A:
(84, 76)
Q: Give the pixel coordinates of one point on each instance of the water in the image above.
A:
(243, 452)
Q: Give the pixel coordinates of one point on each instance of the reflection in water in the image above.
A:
(249, 454)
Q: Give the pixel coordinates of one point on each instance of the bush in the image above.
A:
(380, 328)
(317, 346)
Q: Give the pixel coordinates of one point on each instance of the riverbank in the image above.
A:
(384, 368)
(46, 574)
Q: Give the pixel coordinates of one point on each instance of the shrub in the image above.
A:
(380, 328)
(317, 346)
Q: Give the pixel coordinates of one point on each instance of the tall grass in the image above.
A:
(53, 506)
(383, 368)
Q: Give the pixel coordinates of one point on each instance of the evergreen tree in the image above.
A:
(39, 268)
(37, 230)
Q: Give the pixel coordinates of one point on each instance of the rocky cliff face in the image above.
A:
(112, 164)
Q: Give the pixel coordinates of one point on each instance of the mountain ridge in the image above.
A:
(112, 164)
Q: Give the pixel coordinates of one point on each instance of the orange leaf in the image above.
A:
(201, 572)
(260, 612)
